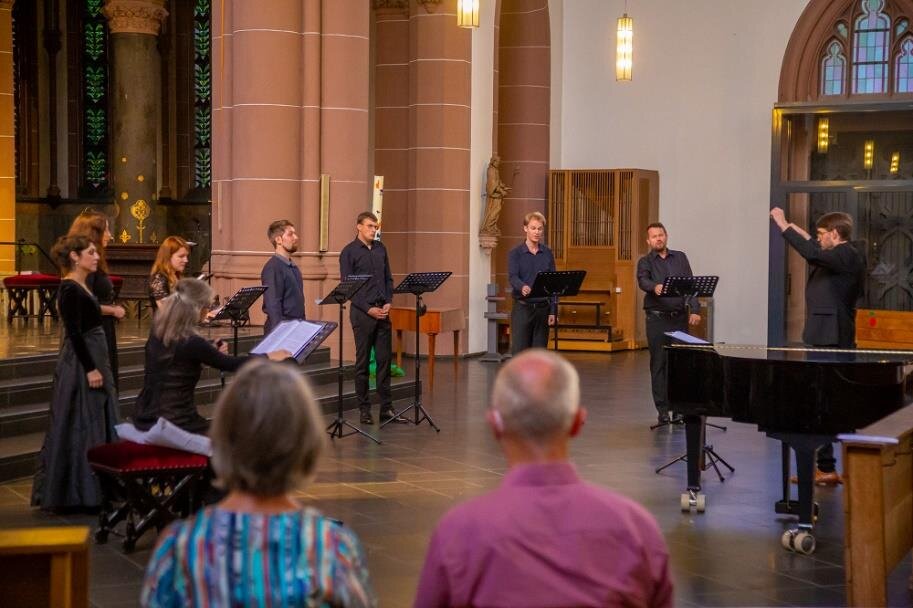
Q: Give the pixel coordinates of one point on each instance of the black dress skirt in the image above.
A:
(80, 417)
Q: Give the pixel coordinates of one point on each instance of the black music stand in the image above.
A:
(553, 285)
(236, 307)
(341, 294)
(418, 283)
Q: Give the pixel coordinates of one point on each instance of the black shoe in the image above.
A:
(676, 419)
(367, 418)
(390, 416)
(663, 419)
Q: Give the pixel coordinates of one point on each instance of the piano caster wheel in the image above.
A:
(798, 541)
(692, 500)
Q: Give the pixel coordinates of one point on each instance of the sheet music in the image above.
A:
(685, 337)
(288, 335)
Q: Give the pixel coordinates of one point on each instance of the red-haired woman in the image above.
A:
(94, 226)
(168, 269)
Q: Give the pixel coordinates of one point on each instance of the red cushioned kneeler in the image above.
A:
(21, 286)
(147, 486)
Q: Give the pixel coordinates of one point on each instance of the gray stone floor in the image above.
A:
(393, 494)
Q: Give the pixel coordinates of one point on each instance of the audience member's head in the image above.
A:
(267, 433)
(182, 311)
(94, 225)
(171, 259)
(535, 401)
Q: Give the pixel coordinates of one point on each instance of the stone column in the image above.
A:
(134, 26)
(290, 101)
(7, 141)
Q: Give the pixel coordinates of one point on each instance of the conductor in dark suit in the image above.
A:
(835, 283)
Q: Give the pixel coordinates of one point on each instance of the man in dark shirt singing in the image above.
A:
(370, 314)
(664, 313)
(284, 296)
(530, 317)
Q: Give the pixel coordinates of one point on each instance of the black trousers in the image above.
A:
(657, 326)
(369, 332)
(528, 326)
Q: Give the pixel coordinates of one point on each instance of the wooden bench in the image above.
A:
(46, 567)
(878, 505)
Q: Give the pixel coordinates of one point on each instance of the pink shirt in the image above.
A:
(546, 538)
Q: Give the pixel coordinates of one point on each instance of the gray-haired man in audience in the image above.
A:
(544, 537)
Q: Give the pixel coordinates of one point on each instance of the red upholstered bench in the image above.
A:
(20, 288)
(147, 486)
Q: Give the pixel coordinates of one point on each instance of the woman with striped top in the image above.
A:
(259, 546)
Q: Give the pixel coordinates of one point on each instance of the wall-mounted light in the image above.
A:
(624, 53)
(823, 135)
(868, 154)
(895, 163)
(468, 13)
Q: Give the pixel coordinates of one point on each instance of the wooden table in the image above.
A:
(433, 322)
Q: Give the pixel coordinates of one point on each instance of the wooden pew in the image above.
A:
(45, 567)
(878, 505)
(433, 322)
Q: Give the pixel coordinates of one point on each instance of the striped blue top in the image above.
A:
(222, 559)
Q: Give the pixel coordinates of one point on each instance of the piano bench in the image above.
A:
(146, 486)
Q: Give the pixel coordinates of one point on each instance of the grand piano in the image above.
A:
(804, 397)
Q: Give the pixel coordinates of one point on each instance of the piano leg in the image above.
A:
(694, 442)
(801, 539)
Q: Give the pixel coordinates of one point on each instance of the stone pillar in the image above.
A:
(7, 141)
(134, 26)
(290, 101)
(440, 78)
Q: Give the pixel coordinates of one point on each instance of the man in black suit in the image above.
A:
(835, 283)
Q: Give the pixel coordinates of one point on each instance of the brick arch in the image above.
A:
(799, 72)
(522, 90)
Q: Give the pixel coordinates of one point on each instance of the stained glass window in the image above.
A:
(202, 95)
(901, 27)
(833, 70)
(871, 40)
(903, 68)
(95, 97)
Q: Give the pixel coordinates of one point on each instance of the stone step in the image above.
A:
(18, 454)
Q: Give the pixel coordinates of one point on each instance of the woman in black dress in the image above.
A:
(94, 225)
(83, 398)
(170, 262)
(175, 355)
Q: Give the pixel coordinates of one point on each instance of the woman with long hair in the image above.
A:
(95, 226)
(83, 400)
(168, 269)
(175, 355)
(260, 546)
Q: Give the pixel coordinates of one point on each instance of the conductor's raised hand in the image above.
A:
(524, 291)
(779, 218)
(95, 379)
(279, 355)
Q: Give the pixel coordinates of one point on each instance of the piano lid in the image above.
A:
(802, 355)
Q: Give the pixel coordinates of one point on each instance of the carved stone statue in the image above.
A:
(496, 189)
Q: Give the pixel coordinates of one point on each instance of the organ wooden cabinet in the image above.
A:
(597, 221)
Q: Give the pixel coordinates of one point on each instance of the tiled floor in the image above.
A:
(393, 494)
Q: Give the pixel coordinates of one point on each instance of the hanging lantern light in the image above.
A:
(624, 54)
(868, 154)
(468, 13)
(823, 135)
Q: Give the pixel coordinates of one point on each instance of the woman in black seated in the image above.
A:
(83, 399)
(175, 354)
